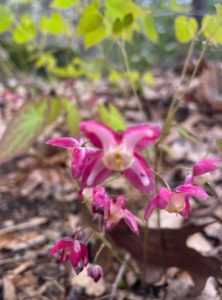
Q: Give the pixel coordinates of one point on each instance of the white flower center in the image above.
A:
(176, 203)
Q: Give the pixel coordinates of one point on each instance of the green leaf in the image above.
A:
(148, 78)
(186, 135)
(219, 11)
(149, 28)
(90, 20)
(23, 130)
(94, 37)
(6, 18)
(25, 31)
(185, 28)
(46, 60)
(72, 116)
(128, 20)
(115, 76)
(118, 9)
(117, 26)
(63, 4)
(219, 144)
(212, 28)
(111, 117)
(54, 110)
(54, 24)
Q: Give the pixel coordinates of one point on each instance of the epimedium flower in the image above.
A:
(120, 152)
(113, 211)
(201, 170)
(74, 251)
(175, 201)
(95, 272)
(81, 153)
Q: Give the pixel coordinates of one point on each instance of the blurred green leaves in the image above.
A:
(6, 18)
(110, 116)
(54, 24)
(25, 31)
(63, 4)
(185, 28)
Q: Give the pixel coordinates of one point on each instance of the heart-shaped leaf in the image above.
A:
(25, 31)
(6, 18)
(185, 28)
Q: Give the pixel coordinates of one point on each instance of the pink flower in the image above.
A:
(117, 212)
(201, 169)
(120, 152)
(95, 272)
(112, 210)
(80, 154)
(176, 201)
(72, 250)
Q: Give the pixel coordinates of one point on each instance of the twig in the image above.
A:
(119, 277)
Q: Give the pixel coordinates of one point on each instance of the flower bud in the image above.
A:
(95, 272)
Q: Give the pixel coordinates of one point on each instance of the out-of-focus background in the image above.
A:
(64, 61)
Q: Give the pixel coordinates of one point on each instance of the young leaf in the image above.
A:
(22, 131)
(149, 28)
(54, 24)
(72, 116)
(117, 26)
(25, 31)
(54, 110)
(111, 117)
(90, 20)
(6, 18)
(63, 4)
(185, 28)
(94, 37)
(117, 9)
(128, 20)
(212, 28)
(148, 78)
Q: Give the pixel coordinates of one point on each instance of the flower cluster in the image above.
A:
(102, 152)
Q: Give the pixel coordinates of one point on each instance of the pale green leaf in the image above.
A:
(111, 117)
(148, 78)
(118, 9)
(46, 60)
(6, 18)
(72, 116)
(63, 4)
(26, 125)
(54, 24)
(54, 110)
(115, 76)
(94, 37)
(90, 20)
(25, 31)
(149, 28)
(185, 28)
(117, 26)
(212, 28)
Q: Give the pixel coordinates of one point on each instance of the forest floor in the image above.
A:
(39, 204)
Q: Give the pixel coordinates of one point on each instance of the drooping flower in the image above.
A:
(120, 152)
(80, 153)
(113, 211)
(201, 170)
(175, 201)
(74, 251)
(95, 272)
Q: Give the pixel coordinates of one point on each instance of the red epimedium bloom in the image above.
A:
(175, 201)
(113, 211)
(201, 169)
(80, 153)
(74, 251)
(120, 152)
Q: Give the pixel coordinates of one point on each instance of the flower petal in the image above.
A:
(140, 175)
(78, 162)
(205, 166)
(152, 204)
(95, 172)
(64, 142)
(100, 135)
(61, 244)
(130, 221)
(192, 190)
(185, 213)
(137, 138)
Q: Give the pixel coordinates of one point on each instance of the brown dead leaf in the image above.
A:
(167, 248)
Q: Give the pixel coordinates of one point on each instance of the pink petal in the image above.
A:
(159, 201)
(185, 213)
(61, 244)
(120, 201)
(137, 138)
(192, 190)
(189, 179)
(100, 135)
(130, 221)
(95, 172)
(205, 166)
(64, 142)
(140, 175)
(78, 162)
(84, 254)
